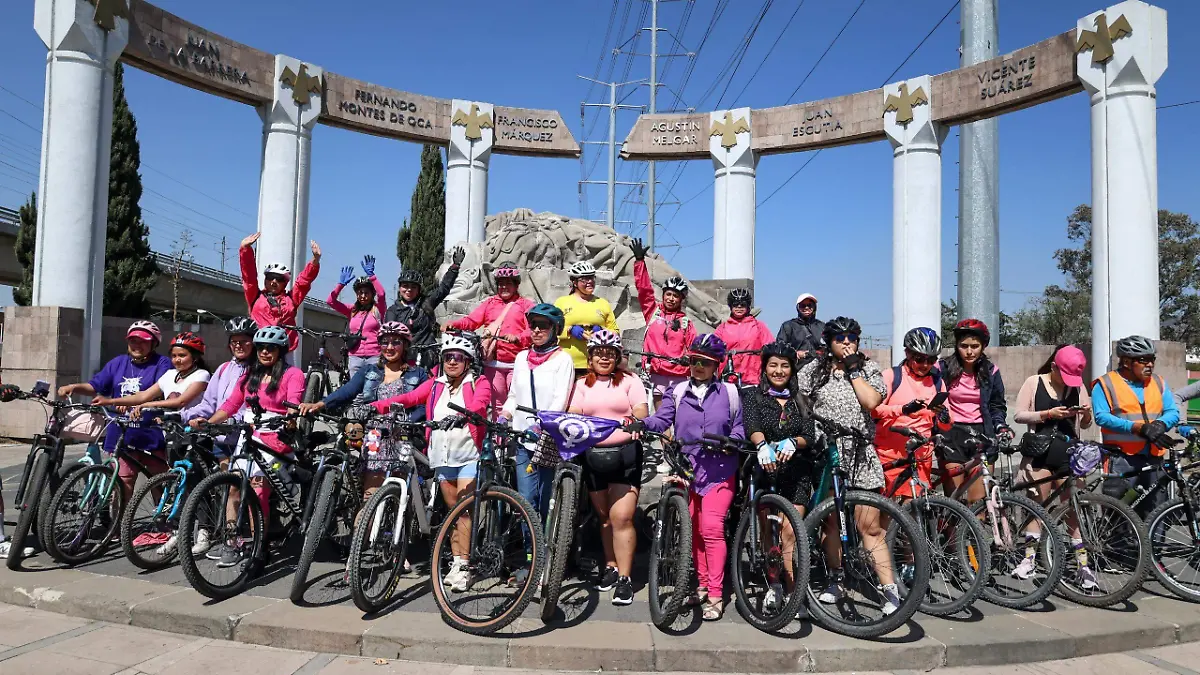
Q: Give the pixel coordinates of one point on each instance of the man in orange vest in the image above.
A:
(1134, 407)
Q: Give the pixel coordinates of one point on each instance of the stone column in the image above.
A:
(734, 167)
(287, 151)
(916, 207)
(471, 136)
(1122, 51)
(68, 270)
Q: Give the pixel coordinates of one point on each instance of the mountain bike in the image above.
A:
(769, 583)
(728, 372)
(227, 503)
(1026, 566)
(498, 521)
(960, 552)
(653, 458)
(670, 569)
(318, 373)
(848, 574)
(400, 508)
(149, 527)
(43, 472)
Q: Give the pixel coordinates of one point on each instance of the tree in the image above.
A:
(179, 254)
(129, 269)
(25, 246)
(1012, 334)
(421, 240)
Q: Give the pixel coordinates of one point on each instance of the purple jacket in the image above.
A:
(693, 419)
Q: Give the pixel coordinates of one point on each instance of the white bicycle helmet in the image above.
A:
(453, 342)
(677, 284)
(272, 335)
(582, 268)
(603, 337)
(145, 327)
(281, 270)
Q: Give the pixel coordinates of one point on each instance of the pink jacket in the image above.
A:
(368, 322)
(748, 333)
(291, 390)
(276, 310)
(661, 336)
(478, 396)
(515, 324)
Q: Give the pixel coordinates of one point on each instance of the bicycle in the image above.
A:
(859, 606)
(1011, 583)
(758, 562)
(670, 568)
(318, 372)
(728, 372)
(240, 530)
(43, 473)
(960, 553)
(149, 541)
(500, 521)
(402, 505)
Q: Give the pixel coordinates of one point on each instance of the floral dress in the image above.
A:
(835, 400)
(391, 455)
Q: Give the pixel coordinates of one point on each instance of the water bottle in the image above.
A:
(1132, 494)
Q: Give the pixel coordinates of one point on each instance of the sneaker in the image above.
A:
(622, 591)
(1087, 579)
(457, 575)
(608, 579)
(891, 599)
(1025, 570)
(203, 543)
(773, 598)
(832, 594)
(167, 548)
(231, 556)
(463, 581)
(6, 546)
(215, 552)
(152, 538)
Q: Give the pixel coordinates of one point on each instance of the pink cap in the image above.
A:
(1070, 361)
(140, 333)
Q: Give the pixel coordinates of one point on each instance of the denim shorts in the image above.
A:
(456, 473)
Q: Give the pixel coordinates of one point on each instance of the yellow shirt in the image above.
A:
(586, 313)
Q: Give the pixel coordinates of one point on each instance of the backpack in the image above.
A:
(897, 373)
(658, 314)
(735, 399)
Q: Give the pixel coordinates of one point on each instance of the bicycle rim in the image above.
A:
(148, 535)
(560, 526)
(770, 569)
(1114, 556)
(1025, 568)
(670, 562)
(959, 554)
(378, 550)
(1174, 551)
(208, 508)
(84, 515)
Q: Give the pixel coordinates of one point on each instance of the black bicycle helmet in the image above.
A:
(241, 325)
(840, 324)
(923, 341)
(781, 349)
(409, 277)
(739, 296)
(1135, 346)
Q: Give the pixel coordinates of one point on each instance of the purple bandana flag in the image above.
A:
(574, 434)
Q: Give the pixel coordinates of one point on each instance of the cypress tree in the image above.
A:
(129, 269)
(421, 240)
(26, 243)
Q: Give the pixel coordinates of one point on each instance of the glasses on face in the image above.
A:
(455, 357)
(539, 326)
(707, 363)
(393, 342)
(808, 305)
(923, 359)
(845, 337)
(274, 277)
(586, 280)
(606, 353)
(266, 348)
(1145, 360)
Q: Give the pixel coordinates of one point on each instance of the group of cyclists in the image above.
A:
(781, 394)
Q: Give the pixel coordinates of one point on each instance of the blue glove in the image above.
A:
(577, 332)
(766, 453)
(347, 275)
(1187, 431)
(368, 265)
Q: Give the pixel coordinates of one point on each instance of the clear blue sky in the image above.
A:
(827, 232)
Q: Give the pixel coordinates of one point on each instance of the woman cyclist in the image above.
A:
(613, 468)
(703, 405)
(845, 387)
(583, 313)
(505, 330)
(910, 389)
(976, 403)
(778, 420)
(454, 451)
(273, 304)
(370, 302)
(181, 388)
(274, 383)
(1054, 401)
(542, 379)
(742, 331)
(668, 330)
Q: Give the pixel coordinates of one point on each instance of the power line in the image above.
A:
(20, 97)
(746, 50)
(770, 50)
(1177, 105)
(823, 54)
(919, 44)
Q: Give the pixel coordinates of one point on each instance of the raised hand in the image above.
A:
(251, 239)
(368, 265)
(639, 249)
(346, 276)
(458, 256)
(316, 250)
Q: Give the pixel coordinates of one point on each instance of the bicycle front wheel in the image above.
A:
(84, 515)
(1175, 548)
(379, 547)
(227, 566)
(318, 522)
(38, 479)
(561, 527)
(959, 554)
(1110, 563)
(1027, 553)
(848, 584)
(770, 569)
(670, 574)
(490, 578)
(148, 533)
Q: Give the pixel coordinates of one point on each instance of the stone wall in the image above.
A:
(40, 343)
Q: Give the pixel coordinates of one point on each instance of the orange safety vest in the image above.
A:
(1123, 403)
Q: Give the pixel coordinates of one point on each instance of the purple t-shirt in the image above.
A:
(123, 377)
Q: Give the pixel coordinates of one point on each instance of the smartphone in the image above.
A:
(939, 400)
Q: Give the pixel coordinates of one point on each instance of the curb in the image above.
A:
(931, 643)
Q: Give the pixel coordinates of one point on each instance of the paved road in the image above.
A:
(33, 642)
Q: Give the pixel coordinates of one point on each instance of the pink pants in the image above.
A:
(708, 536)
(500, 379)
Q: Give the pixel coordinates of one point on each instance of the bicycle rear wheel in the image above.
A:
(855, 588)
(148, 535)
(1025, 568)
(959, 554)
(379, 547)
(38, 478)
(227, 568)
(1175, 549)
(670, 573)
(1117, 546)
(500, 577)
(561, 527)
(318, 523)
(56, 480)
(765, 567)
(84, 515)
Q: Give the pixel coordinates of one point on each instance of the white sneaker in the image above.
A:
(1025, 570)
(454, 577)
(891, 599)
(832, 594)
(6, 546)
(463, 581)
(167, 548)
(203, 542)
(773, 598)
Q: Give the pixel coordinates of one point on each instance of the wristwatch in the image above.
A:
(855, 375)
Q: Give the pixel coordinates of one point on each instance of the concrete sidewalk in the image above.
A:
(34, 642)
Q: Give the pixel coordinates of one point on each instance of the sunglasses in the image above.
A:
(266, 348)
(393, 342)
(275, 277)
(701, 361)
(586, 280)
(845, 337)
(606, 353)
(455, 357)
(923, 359)
(1146, 359)
(538, 325)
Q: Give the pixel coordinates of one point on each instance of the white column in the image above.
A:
(471, 137)
(1120, 82)
(287, 151)
(916, 208)
(68, 266)
(734, 167)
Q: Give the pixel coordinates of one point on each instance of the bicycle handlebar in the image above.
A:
(677, 360)
(725, 442)
(324, 334)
